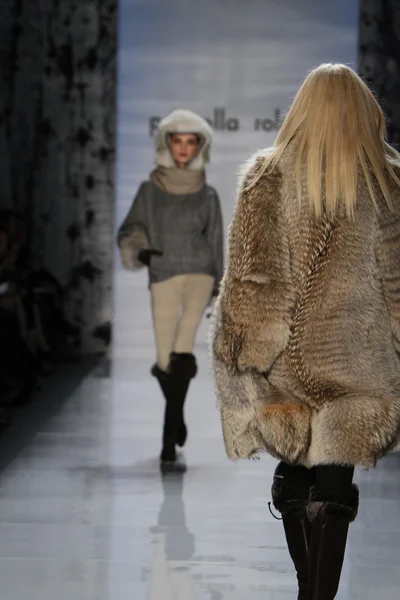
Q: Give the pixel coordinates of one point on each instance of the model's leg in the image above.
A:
(166, 302)
(166, 305)
(196, 297)
(332, 507)
(290, 494)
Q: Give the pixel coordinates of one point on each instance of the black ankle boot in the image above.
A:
(182, 369)
(330, 519)
(290, 494)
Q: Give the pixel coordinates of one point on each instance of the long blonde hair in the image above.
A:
(338, 126)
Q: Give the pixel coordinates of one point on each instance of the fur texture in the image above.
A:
(306, 328)
(291, 488)
(129, 248)
(183, 121)
(318, 504)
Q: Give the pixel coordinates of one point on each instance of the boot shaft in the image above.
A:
(290, 493)
(316, 525)
(174, 384)
(330, 522)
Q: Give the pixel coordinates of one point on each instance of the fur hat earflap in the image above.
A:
(183, 121)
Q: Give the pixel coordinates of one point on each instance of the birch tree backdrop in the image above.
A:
(57, 144)
(379, 57)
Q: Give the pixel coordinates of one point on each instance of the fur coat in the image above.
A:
(306, 329)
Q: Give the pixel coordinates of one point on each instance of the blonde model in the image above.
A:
(306, 335)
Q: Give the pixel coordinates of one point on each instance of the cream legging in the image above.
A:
(178, 305)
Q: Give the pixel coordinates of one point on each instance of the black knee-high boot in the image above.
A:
(174, 384)
(290, 494)
(171, 415)
(329, 518)
(182, 369)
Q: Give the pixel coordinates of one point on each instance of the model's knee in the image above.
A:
(291, 487)
(321, 503)
(183, 363)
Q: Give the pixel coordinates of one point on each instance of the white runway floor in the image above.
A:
(85, 513)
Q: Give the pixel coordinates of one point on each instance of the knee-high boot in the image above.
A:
(171, 415)
(182, 369)
(174, 384)
(290, 494)
(329, 518)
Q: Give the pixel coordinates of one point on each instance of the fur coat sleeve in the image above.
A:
(388, 259)
(252, 315)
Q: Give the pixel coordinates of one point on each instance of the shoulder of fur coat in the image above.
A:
(250, 167)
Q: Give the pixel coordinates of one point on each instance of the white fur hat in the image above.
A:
(182, 121)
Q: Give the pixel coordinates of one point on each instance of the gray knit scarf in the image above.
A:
(178, 181)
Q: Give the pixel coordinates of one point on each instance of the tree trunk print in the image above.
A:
(57, 141)
(379, 57)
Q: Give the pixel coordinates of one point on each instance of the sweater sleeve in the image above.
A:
(132, 234)
(215, 236)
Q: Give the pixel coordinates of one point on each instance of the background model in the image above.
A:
(175, 228)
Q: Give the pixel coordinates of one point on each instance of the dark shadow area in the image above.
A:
(30, 419)
(57, 139)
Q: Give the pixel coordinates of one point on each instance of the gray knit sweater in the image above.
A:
(186, 228)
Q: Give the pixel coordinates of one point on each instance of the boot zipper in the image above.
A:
(303, 526)
(319, 560)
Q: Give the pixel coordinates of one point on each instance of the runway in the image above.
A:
(86, 514)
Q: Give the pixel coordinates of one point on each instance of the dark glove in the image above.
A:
(213, 298)
(144, 256)
(215, 292)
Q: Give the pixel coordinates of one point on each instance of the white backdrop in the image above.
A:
(247, 59)
(237, 62)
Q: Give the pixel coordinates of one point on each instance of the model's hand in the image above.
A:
(145, 256)
(215, 294)
(210, 308)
